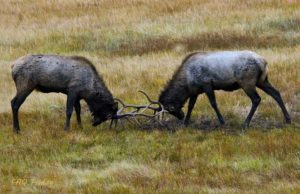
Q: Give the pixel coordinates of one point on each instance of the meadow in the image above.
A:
(138, 44)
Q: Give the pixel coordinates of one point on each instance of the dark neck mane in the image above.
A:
(176, 90)
(98, 85)
(87, 62)
(175, 94)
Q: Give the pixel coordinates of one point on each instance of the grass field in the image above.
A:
(137, 44)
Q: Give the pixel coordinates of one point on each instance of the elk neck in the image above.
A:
(176, 92)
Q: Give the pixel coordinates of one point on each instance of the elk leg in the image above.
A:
(270, 90)
(255, 99)
(78, 110)
(212, 99)
(16, 103)
(192, 102)
(70, 104)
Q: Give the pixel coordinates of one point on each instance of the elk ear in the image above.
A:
(115, 106)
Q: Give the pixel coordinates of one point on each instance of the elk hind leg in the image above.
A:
(270, 90)
(16, 103)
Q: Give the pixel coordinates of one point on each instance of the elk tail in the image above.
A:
(264, 70)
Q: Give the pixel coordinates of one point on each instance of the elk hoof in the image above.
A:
(245, 126)
(222, 122)
(67, 129)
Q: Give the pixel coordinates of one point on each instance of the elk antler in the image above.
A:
(139, 110)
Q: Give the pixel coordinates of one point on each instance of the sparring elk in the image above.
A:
(204, 72)
(74, 76)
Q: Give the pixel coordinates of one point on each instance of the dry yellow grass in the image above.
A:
(137, 44)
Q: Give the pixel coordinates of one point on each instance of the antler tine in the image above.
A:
(161, 107)
(140, 110)
(122, 103)
(137, 107)
(148, 98)
(119, 100)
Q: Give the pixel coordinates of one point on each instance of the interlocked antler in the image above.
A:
(139, 110)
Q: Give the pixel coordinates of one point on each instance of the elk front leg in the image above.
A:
(255, 99)
(70, 104)
(212, 99)
(78, 110)
(192, 102)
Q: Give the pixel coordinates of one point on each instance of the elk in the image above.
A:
(74, 76)
(204, 72)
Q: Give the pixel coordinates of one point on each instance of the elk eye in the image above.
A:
(171, 108)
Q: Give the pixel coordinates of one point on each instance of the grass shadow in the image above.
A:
(233, 125)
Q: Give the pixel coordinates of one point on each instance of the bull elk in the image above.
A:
(74, 76)
(204, 72)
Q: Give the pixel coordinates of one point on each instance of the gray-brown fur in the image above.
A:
(74, 76)
(228, 70)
